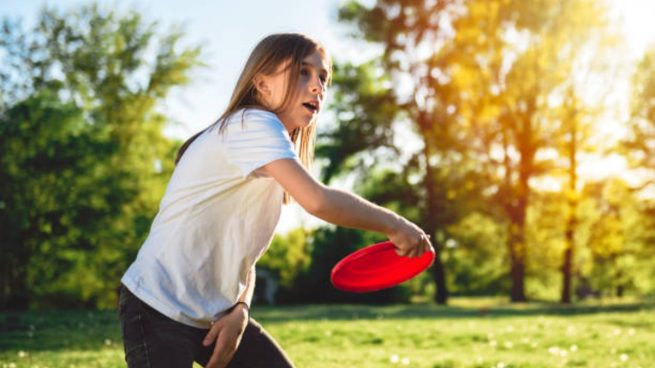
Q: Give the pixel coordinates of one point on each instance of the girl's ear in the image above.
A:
(261, 85)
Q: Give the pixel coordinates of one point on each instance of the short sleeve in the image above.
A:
(256, 138)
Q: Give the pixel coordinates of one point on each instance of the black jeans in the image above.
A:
(153, 340)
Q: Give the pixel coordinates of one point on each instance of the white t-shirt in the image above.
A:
(215, 220)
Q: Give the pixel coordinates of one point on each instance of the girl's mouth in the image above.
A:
(310, 107)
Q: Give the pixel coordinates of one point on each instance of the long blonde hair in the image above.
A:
(266, 58)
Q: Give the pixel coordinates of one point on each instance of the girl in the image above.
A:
(187, 295)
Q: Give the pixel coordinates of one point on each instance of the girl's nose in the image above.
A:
(316, 85)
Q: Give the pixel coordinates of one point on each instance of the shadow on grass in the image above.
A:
(350, 312)
(58, 330)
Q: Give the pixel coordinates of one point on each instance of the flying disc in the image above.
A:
(377, 267)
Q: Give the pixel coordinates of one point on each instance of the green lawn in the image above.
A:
(469, 333)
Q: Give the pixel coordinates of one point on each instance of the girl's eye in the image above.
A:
(304, 72)
(323, 79)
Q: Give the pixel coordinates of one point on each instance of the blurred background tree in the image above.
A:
(85, 162)
(639, 146)
(476, 81)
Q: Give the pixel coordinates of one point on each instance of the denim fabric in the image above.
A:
(152, 340)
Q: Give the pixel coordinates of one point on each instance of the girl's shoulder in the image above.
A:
(253, 118)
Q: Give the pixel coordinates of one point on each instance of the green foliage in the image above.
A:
(475, 256)
(620, 246)
(365, 107)
(85, 162)
(639, 146)
(51, 193)
(287, 256)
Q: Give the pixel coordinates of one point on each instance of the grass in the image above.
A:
(468, 333)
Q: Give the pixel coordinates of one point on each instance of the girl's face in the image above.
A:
(310, 91)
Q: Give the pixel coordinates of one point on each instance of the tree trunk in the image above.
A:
(517, 251)
(15, 290)
(569, 251)
(441, 296)
(431, 213)
(515, 204)
(567, 268)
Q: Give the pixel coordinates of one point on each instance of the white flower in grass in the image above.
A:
(631, 332)
(394, 358)
(573, 348)
(624, 357)
(22, 354)
(404, 361)
(493, 343)
(509, 345)
(557, 351)
(108, 342)
(510, 328)
(500, 365)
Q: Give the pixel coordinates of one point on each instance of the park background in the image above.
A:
(520, 135)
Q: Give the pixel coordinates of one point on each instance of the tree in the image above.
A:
(640, 144)
(364, 105)
(402, 28)
(552, 35)
(480, 76)
(620, 241)
(49, 193)
(106, 72)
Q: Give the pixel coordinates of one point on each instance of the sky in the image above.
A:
(228, 30)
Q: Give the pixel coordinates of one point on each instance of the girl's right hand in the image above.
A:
(226, 333)
(409, 239)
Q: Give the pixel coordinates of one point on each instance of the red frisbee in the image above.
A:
(377, 267)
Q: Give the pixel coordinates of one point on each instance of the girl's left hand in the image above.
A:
(227, 332)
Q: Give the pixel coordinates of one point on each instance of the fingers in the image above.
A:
(225, 348)
(402, 252)
(211, 335)
(410, 240)
(427, 245)
(415, 251)
(216, 355)
(418, 247)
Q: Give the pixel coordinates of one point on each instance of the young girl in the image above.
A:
(187, 295)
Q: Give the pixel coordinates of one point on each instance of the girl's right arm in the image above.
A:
(347, 209)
